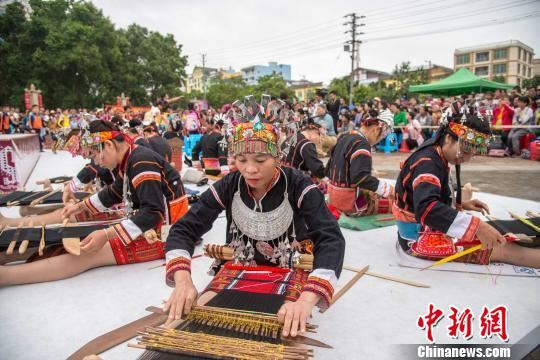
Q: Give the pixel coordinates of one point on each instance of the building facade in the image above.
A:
(200, 79)
(509, 60)
(252, 74)
(366, 76)
(304, 89)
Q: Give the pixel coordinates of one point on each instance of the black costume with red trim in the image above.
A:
(211, 148)
(352, 188)
(423, 207)
(303, 156)
(311, 218)
(153, 187)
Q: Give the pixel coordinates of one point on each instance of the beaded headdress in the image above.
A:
(456, 120)
(76, 144)
(256, 127)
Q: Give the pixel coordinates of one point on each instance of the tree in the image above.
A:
(533, 82)
(499, 79)
(15, 54)
(73, 53)
(225, 91)
(152, 64)
(340, 86)
(404, 77)
(273, 85)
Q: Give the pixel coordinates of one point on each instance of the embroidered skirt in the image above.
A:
(136, 251)
(434, 245)
(357, 202)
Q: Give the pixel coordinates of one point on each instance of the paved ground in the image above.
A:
(502, 176)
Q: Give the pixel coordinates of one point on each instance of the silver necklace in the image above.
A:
(261, 228)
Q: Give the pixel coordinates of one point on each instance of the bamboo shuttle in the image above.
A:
(453, 257)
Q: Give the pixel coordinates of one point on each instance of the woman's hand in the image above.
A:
(489, 236)
(68, 195)
(294, 315)
(183, 296)
(475, 205)
(72, 209)
(96, 240)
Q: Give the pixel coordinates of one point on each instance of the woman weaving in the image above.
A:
(152, 194)
(352, 189)
(427, 221)
(267, 208)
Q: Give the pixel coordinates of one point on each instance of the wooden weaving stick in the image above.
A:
(389, 277)
(115, 337)
(347, 286)
(44, 197)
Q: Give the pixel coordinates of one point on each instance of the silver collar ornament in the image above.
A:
(262, 228)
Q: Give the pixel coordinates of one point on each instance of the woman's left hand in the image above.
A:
(294, 315)
(96, 240)
(475, 205)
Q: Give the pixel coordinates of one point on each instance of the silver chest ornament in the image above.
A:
(126, 196)
(249, 226)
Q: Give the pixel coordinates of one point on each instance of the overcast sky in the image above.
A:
(309, 34)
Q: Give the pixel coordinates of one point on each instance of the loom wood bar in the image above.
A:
(347, 286)
(44, 197)
(389, 277)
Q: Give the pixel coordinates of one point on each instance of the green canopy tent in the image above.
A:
(460, 82)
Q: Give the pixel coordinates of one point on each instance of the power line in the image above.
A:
(490, 22)
(292, 52)
(411, 10)
(408, 5)
(264, 46)
(281, 37)
(298, 42)
(462, 16)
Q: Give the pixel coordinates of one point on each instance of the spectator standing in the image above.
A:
(334, 107)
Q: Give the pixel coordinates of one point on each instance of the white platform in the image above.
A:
(51, 320)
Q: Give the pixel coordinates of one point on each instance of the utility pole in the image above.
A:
(353, 46)
(203, 75)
